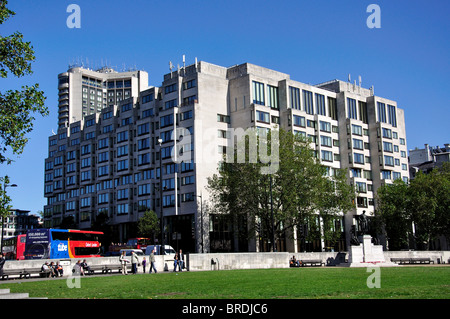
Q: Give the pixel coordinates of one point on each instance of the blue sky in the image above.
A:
(406, 60)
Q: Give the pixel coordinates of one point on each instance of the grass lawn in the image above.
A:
(306, 283)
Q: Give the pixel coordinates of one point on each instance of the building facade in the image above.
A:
(156, 148)
(428, 158)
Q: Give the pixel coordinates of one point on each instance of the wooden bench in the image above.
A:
(114, 267)
(400, 260)
(421, 261)
(24, 272)
(311, 262)
(412, 260)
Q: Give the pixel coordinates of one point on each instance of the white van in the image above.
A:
(138, 252)
(168, 250)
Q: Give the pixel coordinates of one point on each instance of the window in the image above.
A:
(386, 174)
(89, 123)
(103, 198)
(170, 104)
(103, 157)
(387, 147)
(327, 156)
(299, 121)
(320, 104)
(361, 187)
(325, 141)
(144, 189)
(358, 158)
(170, 88)
(358, 144)
(381, 108)
(168, 184)
(272, 93)
(186, 115)
(223, 118)
(168, 200)
(396, 175)
(166, 152)
(188, 197)
(392, 116)
(75, 129)
(85, 176)
(332, 108)
(122, 194)
(144, 159)
(388, 160)
(363, 112)
(387, 133)
(126, 121)
(143, 128)
(258, 93)
(361, 201)
(262, 117)
(402, 141)
(308, 102)
(143, 144)
(325, 126)
(147, 98)
(126, 107)
(122, 136)
(122, 209)
(351, 109)
(122, 165)
(187, 180)
(356, 129)
(75, 141)
(122, 150)
(294, 95)
(166, 120)
(189, 84)
(103, 170)
(102, 143)
(85, 202)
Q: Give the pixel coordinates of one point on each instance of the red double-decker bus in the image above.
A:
(14, 247)
(62, 243)
(138, 243)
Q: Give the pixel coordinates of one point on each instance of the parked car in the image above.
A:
(168, 250)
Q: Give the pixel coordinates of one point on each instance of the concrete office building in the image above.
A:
(108, 161)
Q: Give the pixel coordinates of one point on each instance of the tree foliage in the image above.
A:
(17, 107)
(297, 192)
(423, 206)
(148, 225)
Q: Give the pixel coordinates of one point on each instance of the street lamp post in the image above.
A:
(201, 220)
(3, 217)
(161, 195)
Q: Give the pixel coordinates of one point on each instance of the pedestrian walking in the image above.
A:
(152, 261)
(2, 263)
(144, 263)
(134, 263)
(123, 262)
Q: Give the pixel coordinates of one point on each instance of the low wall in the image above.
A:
(226, 261)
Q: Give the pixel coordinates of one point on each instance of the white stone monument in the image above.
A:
(366, 254)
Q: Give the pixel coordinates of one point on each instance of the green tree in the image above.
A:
(393, 215)
(273, 205)
(423, 204)
(430, 205)
(17, 106)
(148, 225)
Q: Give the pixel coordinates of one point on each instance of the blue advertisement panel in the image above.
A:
(38, 244)
(59, 243)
